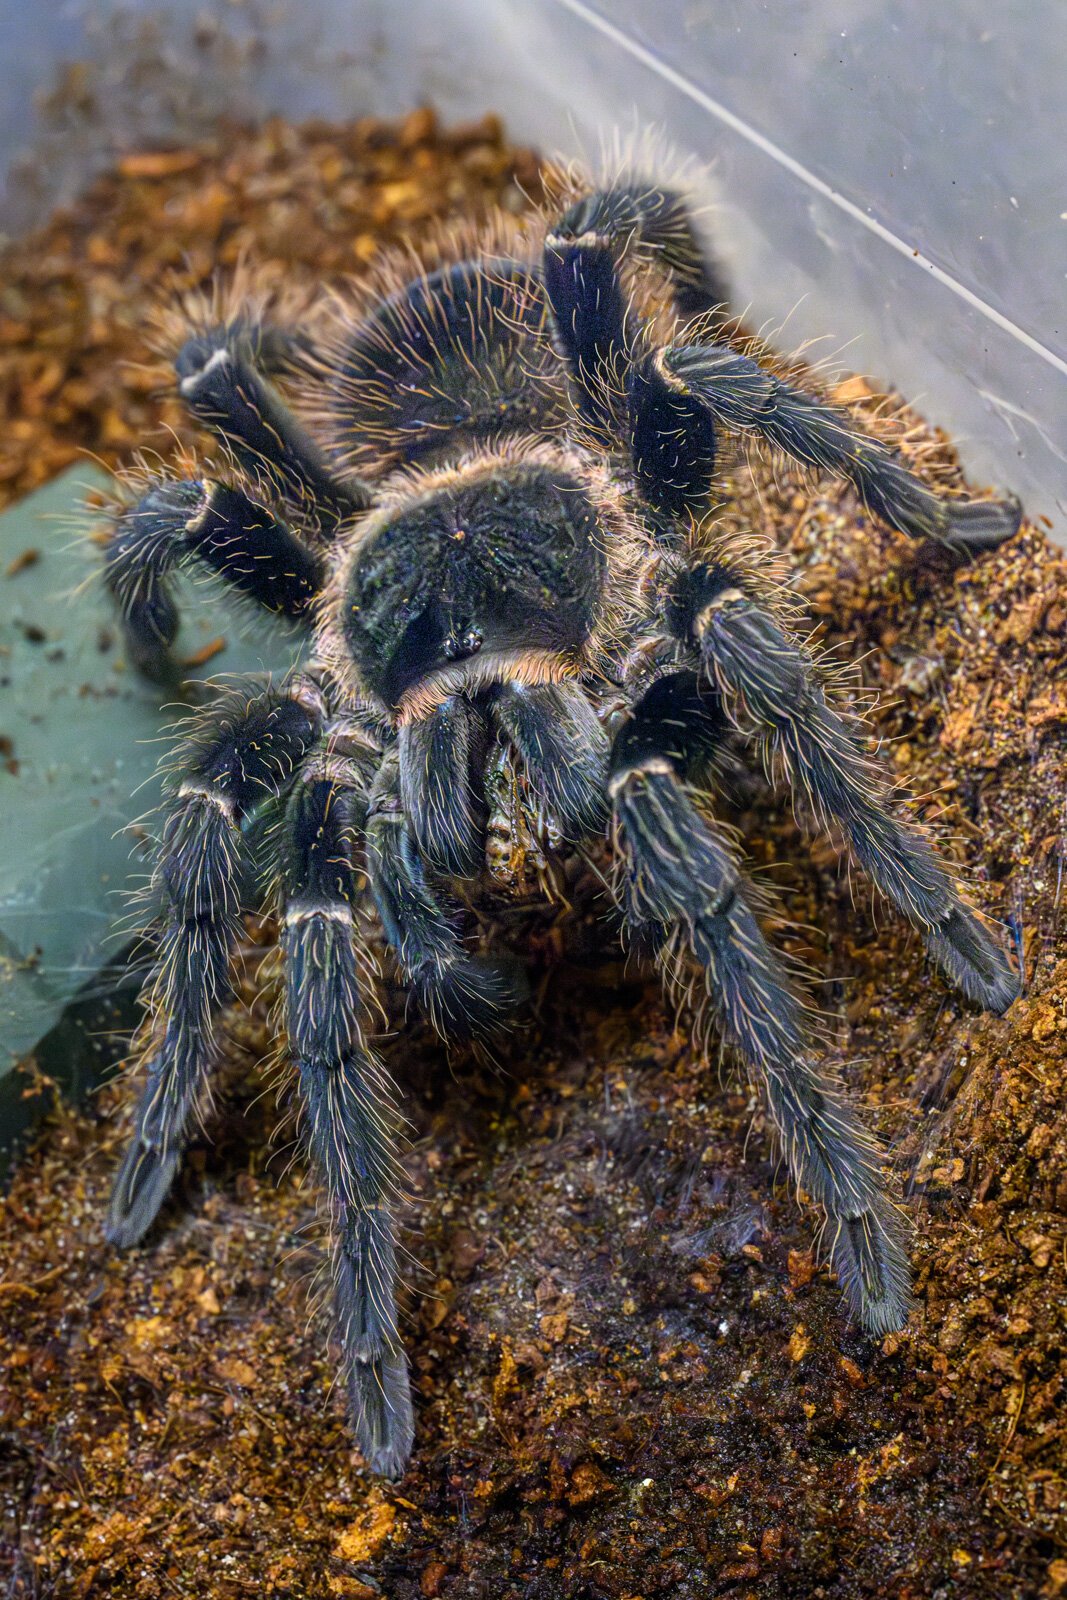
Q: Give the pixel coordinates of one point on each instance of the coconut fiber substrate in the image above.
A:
(634, 1379)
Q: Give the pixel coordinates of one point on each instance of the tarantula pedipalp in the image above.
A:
(497, 521)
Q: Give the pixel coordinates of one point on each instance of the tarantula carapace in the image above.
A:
(491, 495)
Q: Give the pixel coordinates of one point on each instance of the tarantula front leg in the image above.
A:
(348, 1097)
(699, 388)
(194, 521)
(584, 251)
(464, 996)
(428, 814)
(241, 753)
(226, 390)
(654, 218)
(767, 679)
(681, 879)
(555, 732)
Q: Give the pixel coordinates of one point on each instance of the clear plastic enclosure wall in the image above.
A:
(891, 175)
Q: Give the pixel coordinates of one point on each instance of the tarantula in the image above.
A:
(491, 499)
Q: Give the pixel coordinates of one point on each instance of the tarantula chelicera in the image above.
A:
(491, 496)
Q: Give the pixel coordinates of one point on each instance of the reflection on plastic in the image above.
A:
(844, 136)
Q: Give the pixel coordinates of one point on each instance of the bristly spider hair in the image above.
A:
(486, 484)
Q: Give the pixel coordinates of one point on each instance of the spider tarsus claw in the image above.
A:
(1005, 995)
(871, 1263)
(475, 999)
(887, 1314)
(142, 1185)
(974, 962)
(379, 1398)
(980, 524)
(502, 985)
(155, 664)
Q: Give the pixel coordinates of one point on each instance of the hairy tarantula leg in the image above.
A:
(656, 216)
(464, 996)
(224, 391)
(678, 719)
(681, 876)
(673, 443)
(439, 757)
(764, 672)
(348, 1097)
(740, 394)
(564, 749)
(238, 755)
(583, 253)
(188, 520)
(274, 350)
(589, 314)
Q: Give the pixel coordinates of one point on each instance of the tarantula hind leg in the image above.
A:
(240, 753)
(193, 521)
(680, 877)
(766, 678)
(226, 390)
(350, 1111)
(740, 395)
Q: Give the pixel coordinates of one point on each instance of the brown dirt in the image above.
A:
(635, 1381)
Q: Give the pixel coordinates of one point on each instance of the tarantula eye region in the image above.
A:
(458, 645)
